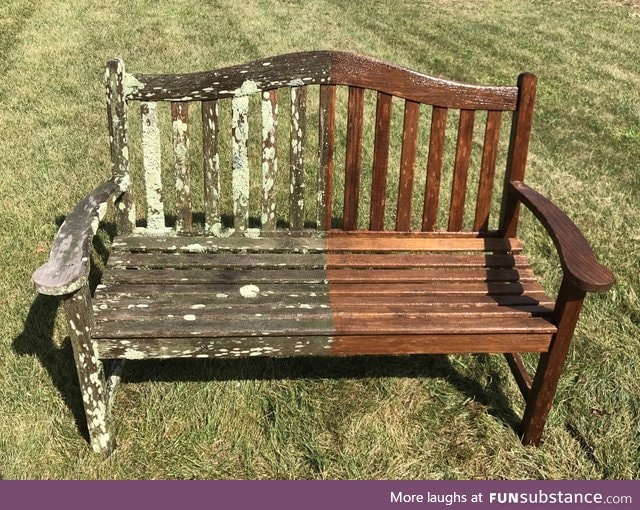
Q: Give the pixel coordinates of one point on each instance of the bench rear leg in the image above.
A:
(90, 371)
(545, 382)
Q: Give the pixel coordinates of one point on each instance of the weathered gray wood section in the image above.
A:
(211, 165)
(68, 266)
(180, 130)
(326, 145)
(151, 159)
(298, 135)
(269, 159)
(240, 162)
(119, 148)
(90, 371)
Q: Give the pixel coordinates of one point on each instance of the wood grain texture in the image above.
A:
(180, 130)
(518, 149)
(298, 135)
(407, 165)
(487, 171)
(211, 166)
(380, 161)
(576, 257)
(434, 168)
(353, 158)
(326, 145)
(461, 170)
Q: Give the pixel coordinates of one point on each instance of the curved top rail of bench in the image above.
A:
(318, 67)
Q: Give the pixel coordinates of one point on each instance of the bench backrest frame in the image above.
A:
(328, 69)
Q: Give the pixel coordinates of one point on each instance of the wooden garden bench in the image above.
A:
(334, 263)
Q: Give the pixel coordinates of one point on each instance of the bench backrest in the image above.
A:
(337, 189)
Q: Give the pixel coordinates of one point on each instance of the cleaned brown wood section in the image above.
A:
(434, 168)
(461, 170)
(380, 161)
(487, 170)
(407, 164)
(353, 158)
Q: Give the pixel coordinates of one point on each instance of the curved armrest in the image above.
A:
(68, 266)
(577, 259)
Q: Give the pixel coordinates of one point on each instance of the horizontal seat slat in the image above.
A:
(194, 325)
(335, 244)
(312, 260)
(353, 289)
(314, 310)
(237, 302)
(316, 275)
(319, 345)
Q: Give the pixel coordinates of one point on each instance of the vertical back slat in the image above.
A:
(298, 133)
(407, 164)
(180, 129)
(327, 124)
(353, 157)
(117, 117)
(151, 163)
(380, 161)
(461, 169)
(518, 148)
(240, 164)
(269, 158)
(211, 165)
(487, 170)
(434, 168)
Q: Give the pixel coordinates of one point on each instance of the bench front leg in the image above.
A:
(91, 373)
(545, 382)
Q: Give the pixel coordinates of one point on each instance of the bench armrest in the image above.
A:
(576, 257)
(68, 266)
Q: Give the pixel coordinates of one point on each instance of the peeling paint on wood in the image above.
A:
(298, 133)
(152, 169)
(269, 159)
(180, 125)
(240, 164)
(117, 117)
(90, 371)
(211, 165)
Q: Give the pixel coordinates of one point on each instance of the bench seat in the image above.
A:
(333, 295)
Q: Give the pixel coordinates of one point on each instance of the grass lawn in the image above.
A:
(428, 417)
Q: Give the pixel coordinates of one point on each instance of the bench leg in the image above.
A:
(90, 371)
(545, 382)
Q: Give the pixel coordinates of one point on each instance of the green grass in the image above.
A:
(429, 417)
